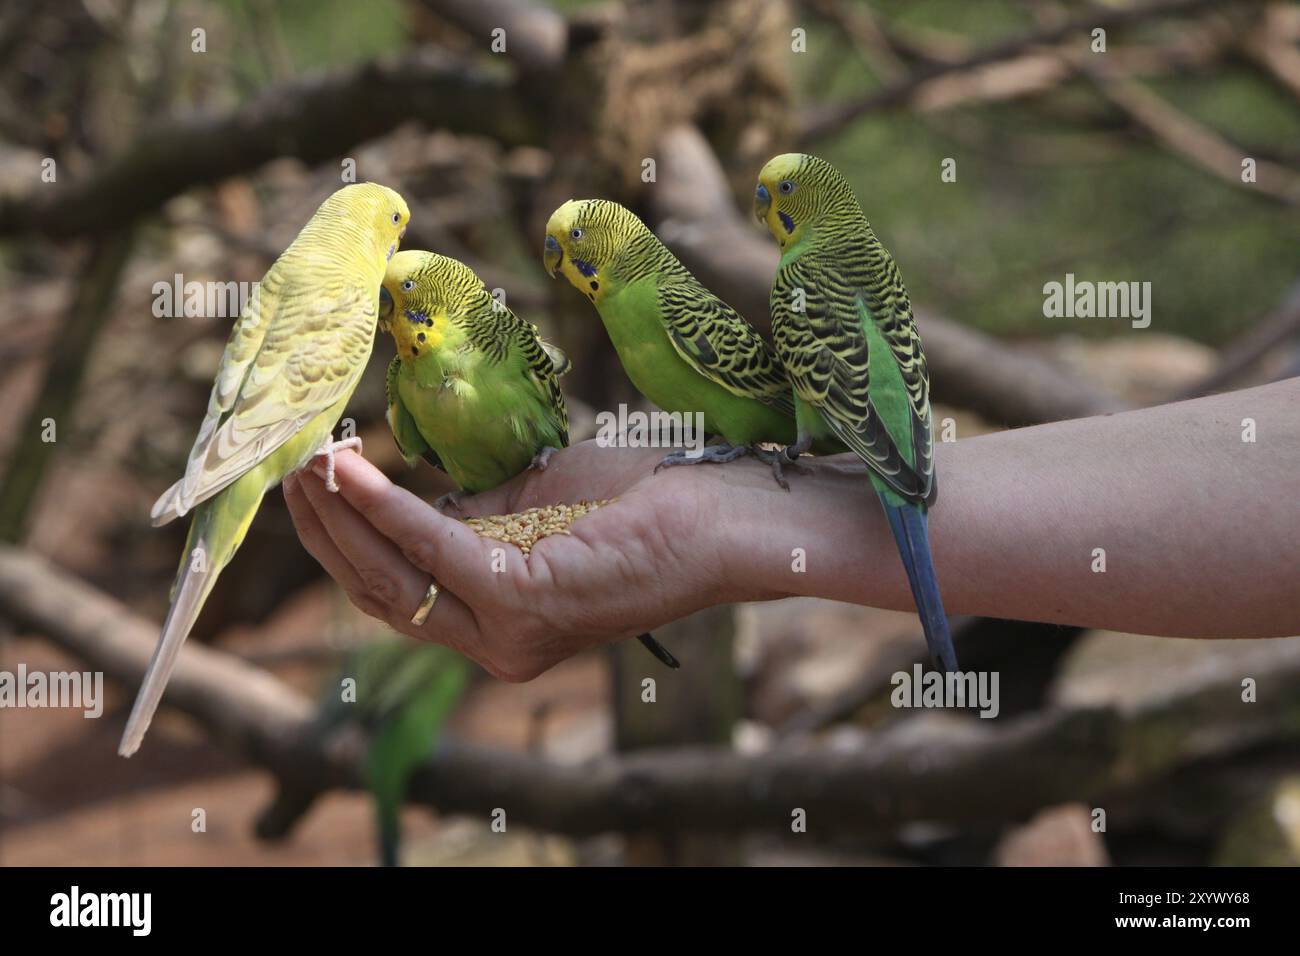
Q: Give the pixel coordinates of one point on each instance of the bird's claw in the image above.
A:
(777, 474)
(327, 451)
(452, 498)
(779, 459)
(717, 454)
(541, 459)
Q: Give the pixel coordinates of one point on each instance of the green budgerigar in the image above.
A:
(291, 363)
(402, 693)
(682, 347)
(843, 326)
(473, 389)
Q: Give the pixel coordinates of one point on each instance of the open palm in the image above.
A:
(649, 557)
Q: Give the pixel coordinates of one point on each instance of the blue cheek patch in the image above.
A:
(786, 221)
(586, 268)
(418, 318)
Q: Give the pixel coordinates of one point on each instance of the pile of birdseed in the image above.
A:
(526, 528)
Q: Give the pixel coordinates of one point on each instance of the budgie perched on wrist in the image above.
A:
(682, 347)
(843, 326)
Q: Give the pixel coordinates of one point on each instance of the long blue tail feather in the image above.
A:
(911, 533)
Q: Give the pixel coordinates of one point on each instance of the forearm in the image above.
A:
(1200, 530)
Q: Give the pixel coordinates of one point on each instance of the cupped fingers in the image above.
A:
(382, 573)
(442, 546)
(316, 539)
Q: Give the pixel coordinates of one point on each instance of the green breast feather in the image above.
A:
(480, 399)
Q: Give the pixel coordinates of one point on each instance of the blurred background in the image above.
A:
(996, 146)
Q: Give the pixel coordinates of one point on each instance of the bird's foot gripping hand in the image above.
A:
(327, 451)
(717, 454)
(781, 459)
(451, 499)
(542, 458)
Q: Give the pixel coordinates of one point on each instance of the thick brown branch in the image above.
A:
(311, 119)
(694, 213)
(974, 772)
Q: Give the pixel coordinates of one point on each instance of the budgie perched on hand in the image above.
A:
(683, 348)
(473, 389)
(291, 363)
(843, 326)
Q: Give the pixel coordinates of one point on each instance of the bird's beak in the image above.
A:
(552, 256)
(394, 247)
(385, 307)
(762, 203)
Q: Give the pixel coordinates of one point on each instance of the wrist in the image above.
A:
(822, 538)
(757, 533)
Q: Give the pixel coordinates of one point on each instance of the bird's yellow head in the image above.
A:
(796, 192)
(373, 210)
(585, 240)
(422, 294)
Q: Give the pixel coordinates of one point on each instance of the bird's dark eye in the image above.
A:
(786, 186)
(408, 285)
(397, 217)
(576, 234)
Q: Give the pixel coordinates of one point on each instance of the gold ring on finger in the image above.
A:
(426, 606)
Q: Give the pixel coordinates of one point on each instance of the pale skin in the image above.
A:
(1201, 533)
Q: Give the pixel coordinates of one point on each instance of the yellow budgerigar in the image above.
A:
(290, 366)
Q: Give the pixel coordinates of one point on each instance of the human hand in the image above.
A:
(689, 537)
(649, 557)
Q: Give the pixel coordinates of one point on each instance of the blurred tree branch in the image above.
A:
(75, 341)
(973, 773)
(1272, 47)
(901, 92)
(1267, 334)
(1180, 134)
(1192, 141)
(1033, 71)
(536, 37)
(311, 119)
